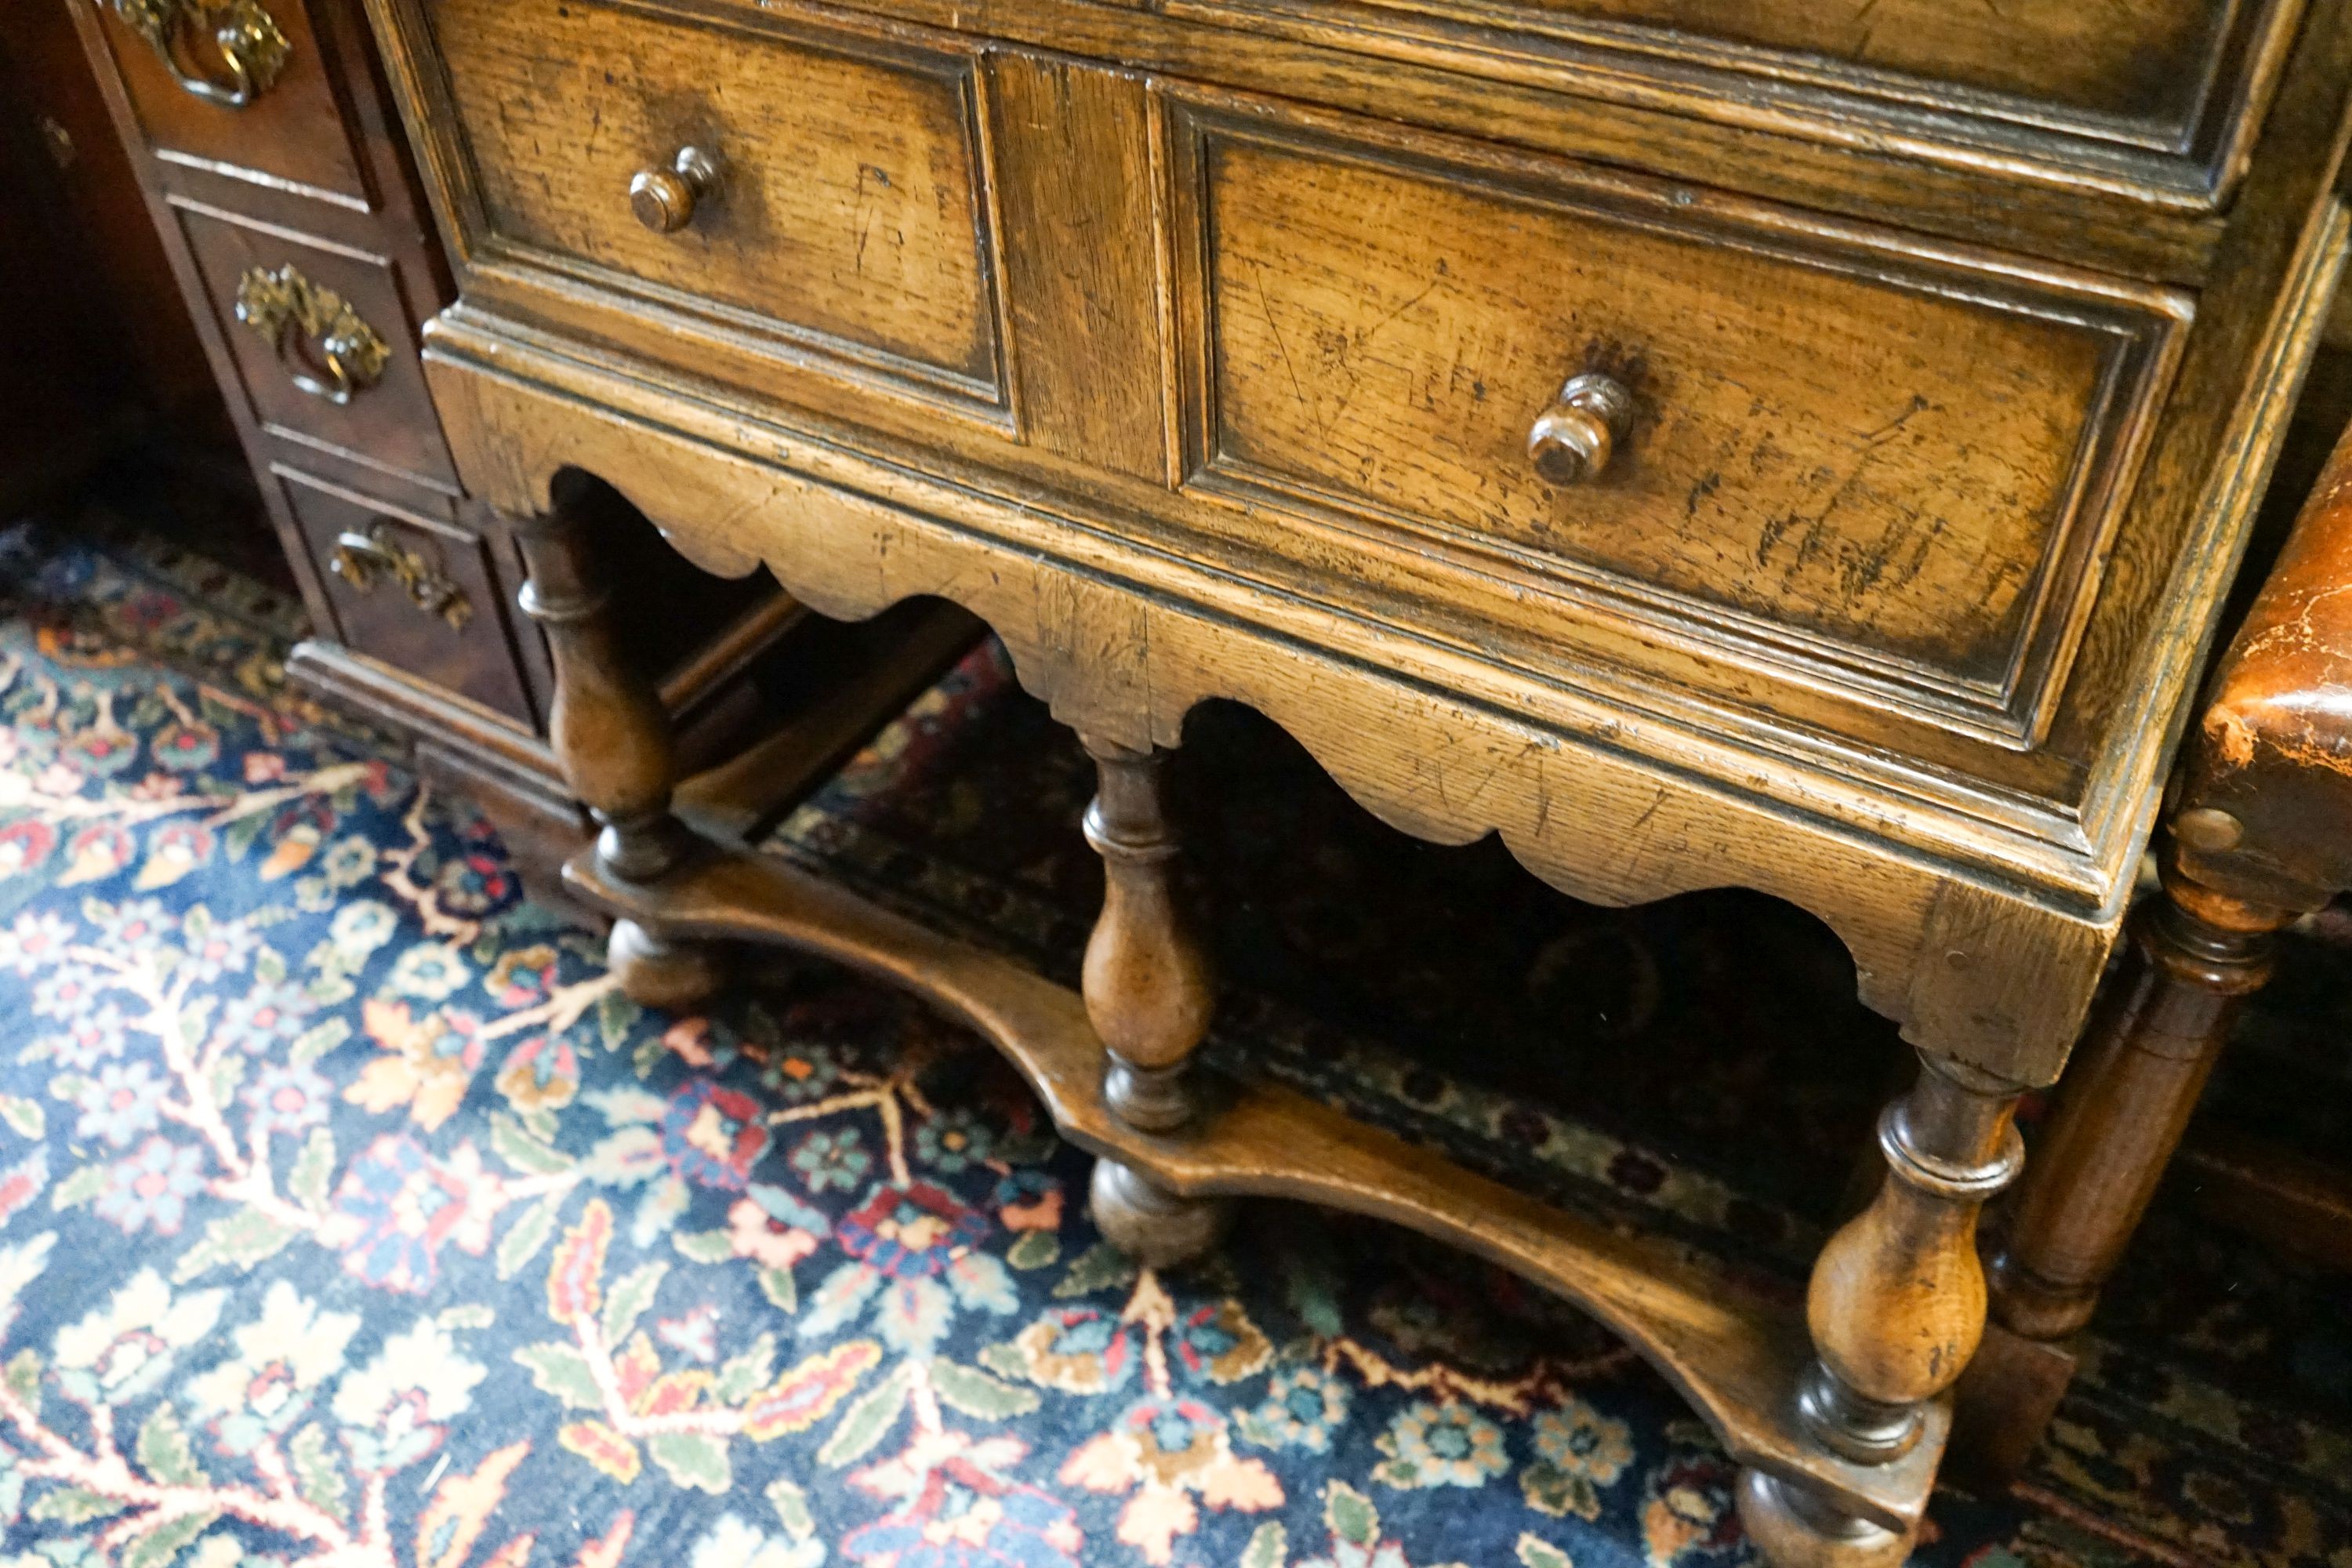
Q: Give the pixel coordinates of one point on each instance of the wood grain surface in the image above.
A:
(847, 205)
(1898, 467)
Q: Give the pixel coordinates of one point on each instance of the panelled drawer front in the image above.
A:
(259, 105)
(324, 345)
(2173, 81)
(845, 212)
(1882, 471)
(410, 589)
(2144, 60)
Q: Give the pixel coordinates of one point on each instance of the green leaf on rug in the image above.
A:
(23, 1375)
(1098, 1267)
(561, 1370)
(158, 1546)
(628, 1297)
(314, 1467)
(865, 1422)
(241, 1240)
(977, 1395)
(776, 1285)
(745, 1375)
(693, 1460)
(1036, 1249)
(1535, 1552)
(226, 1074)
(314, 1168)
(522, 1244)
(1556, 1491)
(703, 1246)
(25, 1115)
(1269, 1547)
(791, 1507)
(165, 1451)
(1351, 1515)
(319, 1039)
(1006, 1361)
(524, 1152)
(615, 1017)
(72, 1505)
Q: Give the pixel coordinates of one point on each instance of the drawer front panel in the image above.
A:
(1872, 467)
(325, 348)
(410, 589)
(843, 213)
(2166, 84)
(261, 106)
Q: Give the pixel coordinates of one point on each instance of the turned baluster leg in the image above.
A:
(2124, 1103)
(613, 739)
(1895, 1307)
(1149, 994)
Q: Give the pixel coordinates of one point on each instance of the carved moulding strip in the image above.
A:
(1973, 966)
(1733, 1357)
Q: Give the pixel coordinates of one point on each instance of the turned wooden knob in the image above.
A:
(665, 199)
(1571, 442)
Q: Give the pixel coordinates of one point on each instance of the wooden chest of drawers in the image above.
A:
(291, 208)
(1705, 442)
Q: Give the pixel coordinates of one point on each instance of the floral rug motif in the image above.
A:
(350, 1216)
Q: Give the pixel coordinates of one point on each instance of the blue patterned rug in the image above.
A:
(349, 1216)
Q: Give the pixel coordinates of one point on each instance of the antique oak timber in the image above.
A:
(1770, 443)
(290, 215)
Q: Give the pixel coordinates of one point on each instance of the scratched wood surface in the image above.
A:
(1890, 469)
(848, 203)
(2144, 60)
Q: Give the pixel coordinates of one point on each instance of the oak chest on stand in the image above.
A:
(1705, 442)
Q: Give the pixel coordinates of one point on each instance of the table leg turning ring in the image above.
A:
(1895, 1307)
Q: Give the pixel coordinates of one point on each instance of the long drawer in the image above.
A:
(2163, 93)
(1880, 466)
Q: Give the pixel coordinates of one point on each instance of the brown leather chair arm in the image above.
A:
(2262, 804)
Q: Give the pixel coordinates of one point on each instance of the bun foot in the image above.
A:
(1151, 1224)
(1795, 1529)
(668, 976)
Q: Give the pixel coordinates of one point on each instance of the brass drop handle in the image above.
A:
(665, 199)
(1571, 441)
(251, 47)
(364, 558)
(326, 350)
